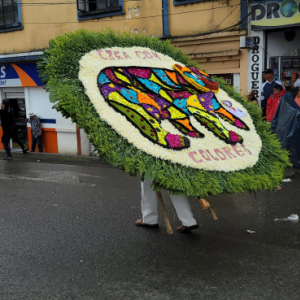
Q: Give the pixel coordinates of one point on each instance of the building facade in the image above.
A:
(275, 29)
(208, 31)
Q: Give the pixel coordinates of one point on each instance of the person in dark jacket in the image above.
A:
(296, 95)
(9, 128)
(273, 102)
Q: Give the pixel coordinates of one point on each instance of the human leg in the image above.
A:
(148, 203)
(5, 141)
(16, 139)
(40, 143)
(33, 143)
(183, 210)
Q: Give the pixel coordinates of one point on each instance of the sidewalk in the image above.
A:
(57, 158)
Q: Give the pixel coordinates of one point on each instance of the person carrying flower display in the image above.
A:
(150, 212)
(148, 109)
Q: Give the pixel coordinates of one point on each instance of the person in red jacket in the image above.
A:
(273, 102)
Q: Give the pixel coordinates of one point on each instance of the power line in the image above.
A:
(184, 12)
(214, 30)
(126, 19)
(230, 27)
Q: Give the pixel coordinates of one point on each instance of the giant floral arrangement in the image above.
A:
(147, 109)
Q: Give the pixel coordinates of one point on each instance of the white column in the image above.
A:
(256, 58)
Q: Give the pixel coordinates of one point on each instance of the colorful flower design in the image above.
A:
(156, 94)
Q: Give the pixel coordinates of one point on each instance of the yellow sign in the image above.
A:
(274, 14)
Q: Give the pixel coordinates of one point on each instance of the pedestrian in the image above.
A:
(36, 132)
(295, 82)
(296, 95)
(9, 128)
(150, 212)
(251, 97)
(273, 102)
(267, 88)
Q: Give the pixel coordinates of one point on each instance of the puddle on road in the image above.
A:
(58, 177)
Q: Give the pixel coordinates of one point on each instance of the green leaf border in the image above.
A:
(59, 70)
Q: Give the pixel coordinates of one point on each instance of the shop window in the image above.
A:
(227, 77)
(182, 2)
(92, 9)
(10, 15)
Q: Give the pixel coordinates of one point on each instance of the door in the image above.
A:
(17, 102)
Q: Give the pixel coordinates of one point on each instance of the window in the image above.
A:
(10, 15)
(88, 9)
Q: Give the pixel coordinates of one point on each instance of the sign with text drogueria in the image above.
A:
(275, 14)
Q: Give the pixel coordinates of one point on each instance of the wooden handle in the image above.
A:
(204, 204)
(213, 214)
(163, 210)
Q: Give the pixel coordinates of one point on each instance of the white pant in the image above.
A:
(149, 206)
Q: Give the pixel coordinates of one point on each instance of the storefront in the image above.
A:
(20, 84)
(275, 29)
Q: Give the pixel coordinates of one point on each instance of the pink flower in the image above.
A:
(234, 137)
(175, 140)
(193, 134)
(238, 123)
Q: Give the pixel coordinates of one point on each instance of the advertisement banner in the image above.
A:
(23, 75)
(275, 14)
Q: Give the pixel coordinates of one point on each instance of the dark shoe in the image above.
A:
(24, 150)
(140, 223)
(186, 229)
(8, 158)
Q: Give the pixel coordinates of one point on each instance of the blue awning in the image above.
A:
(19, 58)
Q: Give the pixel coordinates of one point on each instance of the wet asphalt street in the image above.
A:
(67, 233)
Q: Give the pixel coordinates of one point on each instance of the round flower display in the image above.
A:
(151, 111)
(168, 110)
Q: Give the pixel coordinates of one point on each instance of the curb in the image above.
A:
(57, 159)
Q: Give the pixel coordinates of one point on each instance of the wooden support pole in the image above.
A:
(206, 206)
(213, 214)
(163, 210)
